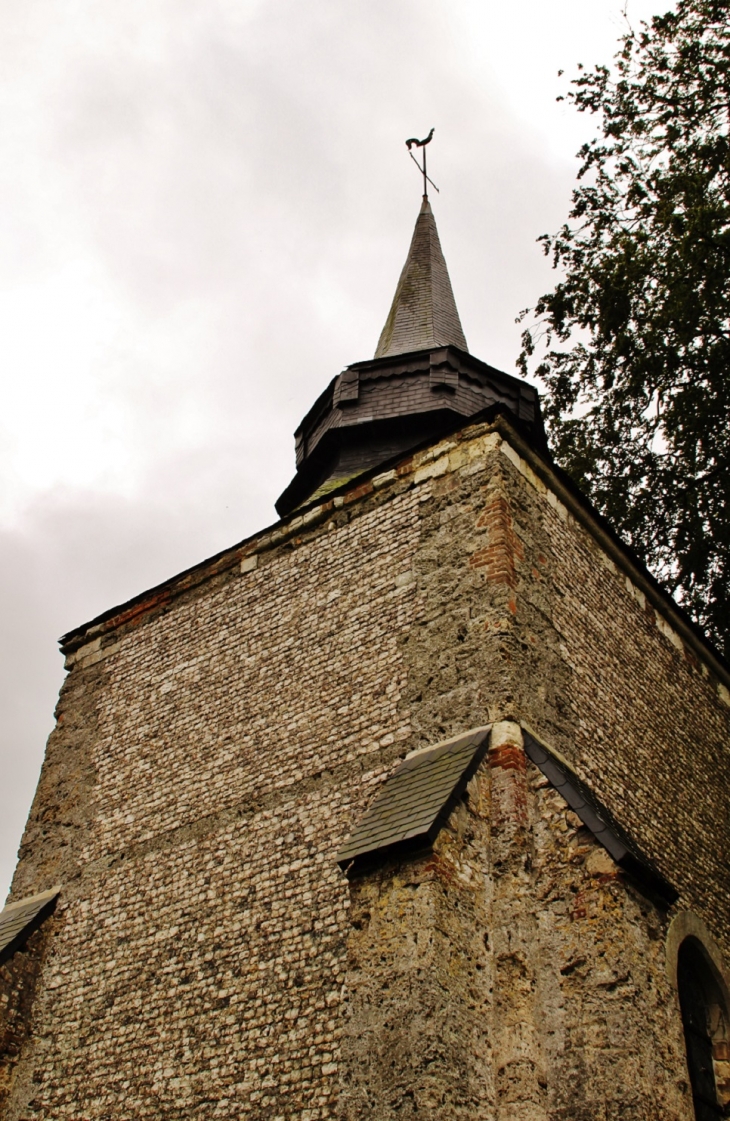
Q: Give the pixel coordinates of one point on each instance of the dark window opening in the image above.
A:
(705, 1021)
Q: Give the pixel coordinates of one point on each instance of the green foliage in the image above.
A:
(636, 336)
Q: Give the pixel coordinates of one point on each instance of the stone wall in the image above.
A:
(512, 974)
(217, 738)
(19, 973)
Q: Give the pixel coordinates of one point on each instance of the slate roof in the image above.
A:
(20, 919)
(415, 802)
(423, 314)
(601, 822)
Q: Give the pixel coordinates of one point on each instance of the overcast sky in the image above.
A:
(204, 209)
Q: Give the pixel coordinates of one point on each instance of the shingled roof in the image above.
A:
(415, 802)
(19, 920)
(423, 314)
(601, 822)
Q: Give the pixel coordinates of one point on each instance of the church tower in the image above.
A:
(413, 804)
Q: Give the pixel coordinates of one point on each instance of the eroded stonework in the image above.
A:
(217, 739)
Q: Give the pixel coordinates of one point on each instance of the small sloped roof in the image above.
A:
(17, 919)
(417, 799)
(415, 802)
(423, 314)
(601, 822)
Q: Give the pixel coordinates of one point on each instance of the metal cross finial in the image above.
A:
(422, 144)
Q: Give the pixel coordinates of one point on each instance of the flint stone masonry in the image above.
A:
(219, 737)
(19, 974)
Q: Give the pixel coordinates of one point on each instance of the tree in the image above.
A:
(636, 334)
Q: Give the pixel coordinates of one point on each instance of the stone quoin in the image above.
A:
(414, 804)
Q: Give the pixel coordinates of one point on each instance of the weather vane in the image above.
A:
(422, 144)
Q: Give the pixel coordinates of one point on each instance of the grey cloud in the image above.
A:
(233, 178)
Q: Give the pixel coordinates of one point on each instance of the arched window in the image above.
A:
(706, 1034)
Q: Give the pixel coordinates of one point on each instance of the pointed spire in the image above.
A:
(423, 314)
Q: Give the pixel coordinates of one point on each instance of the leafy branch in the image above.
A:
(641, 312)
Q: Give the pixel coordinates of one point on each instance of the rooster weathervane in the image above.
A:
(422, 144)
